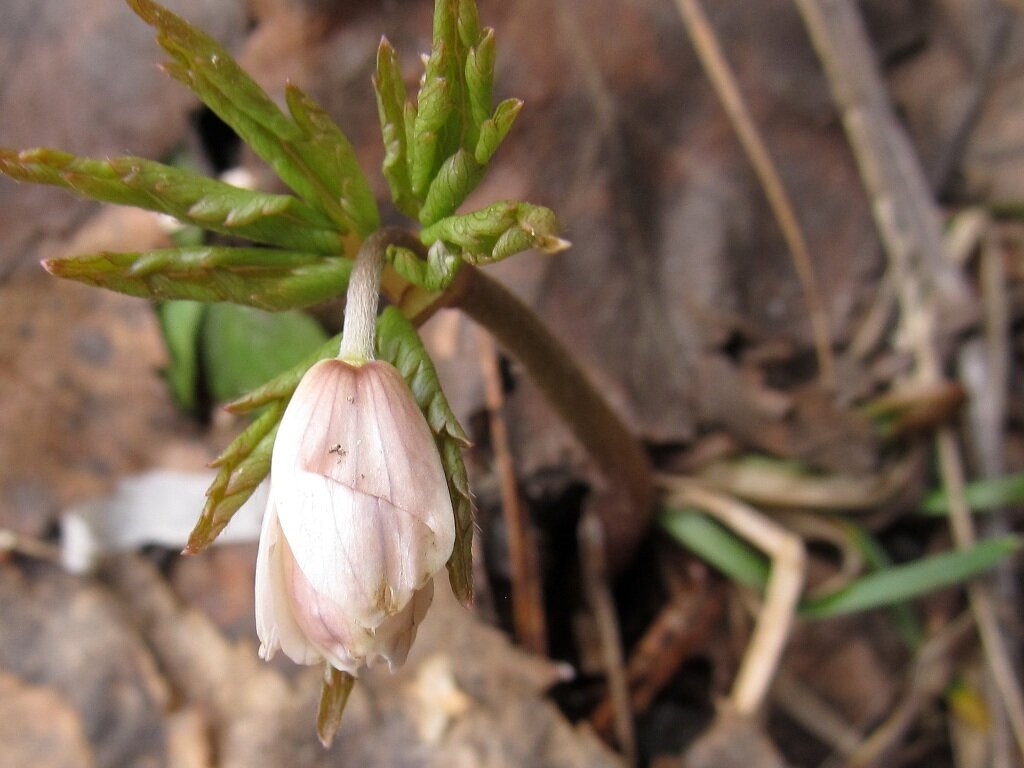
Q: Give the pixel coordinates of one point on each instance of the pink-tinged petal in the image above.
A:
(358, 551)
(361, 427)
(276, 626)
(395, 636)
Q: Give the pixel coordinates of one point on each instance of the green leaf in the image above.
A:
(282, 387)
(494, 130)
(903, 582)
(329, 154)
(456, 178)
(434, 274)
(245, 347)
(256, 277)
(498, 231)
(294, 153)
(399, 344)
(480, 82)
(241, 468)
(433, 107)
(279, 220)
(876, 558)
(716, 545)
(390, 89)
(180, 322)
(982, 495)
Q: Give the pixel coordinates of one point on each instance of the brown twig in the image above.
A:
(599, 598)
(527, 589)
(680, 629)
(720, 73)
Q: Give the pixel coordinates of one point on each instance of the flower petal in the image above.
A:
(361, 427)
(275, 625)
(359, 551)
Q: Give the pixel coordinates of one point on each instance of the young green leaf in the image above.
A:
(982, 495)
(390, 89)
(202, 64)
(279, 220)
(498, 231)
(433, 107)
(434, 274)
(282, 386)
(243, 347)
(256, 277)
(180, 322)
(716, 545)
(399, 344)
(903, 582)
(329, 154)
(494, 130)
(452, 183)
(242, 467)
(480, 82)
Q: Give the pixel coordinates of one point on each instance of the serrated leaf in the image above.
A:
(180, 322)
(903, 582)
(480, 82)
(256, 277)
(433, 107)
(201, 63)
(494, 130)
(457, 177)
(241, 468)
(244, 347)
(468, 23)
(279, 220)
(434, 274)
(391, 96)
(329, 154)
(399, 344)
(497, 232)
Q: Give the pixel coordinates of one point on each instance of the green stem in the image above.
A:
(357, 337)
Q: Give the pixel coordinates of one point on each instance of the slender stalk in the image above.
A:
(720, 73)
(357, 336)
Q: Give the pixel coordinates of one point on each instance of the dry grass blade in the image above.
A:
(717, 68)
(782, 593)
(599, 597)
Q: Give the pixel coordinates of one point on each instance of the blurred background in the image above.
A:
(794, 385)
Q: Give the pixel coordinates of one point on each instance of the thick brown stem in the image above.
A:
(573, 395)
(584, 409)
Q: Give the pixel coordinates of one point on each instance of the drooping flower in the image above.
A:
(358, 521)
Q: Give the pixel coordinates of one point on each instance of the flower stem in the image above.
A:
(357, 336)
(581, 404)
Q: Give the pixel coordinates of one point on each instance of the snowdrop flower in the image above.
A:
(359, 517)
(358, 521)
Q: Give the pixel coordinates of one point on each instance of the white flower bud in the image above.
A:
(358, 522)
